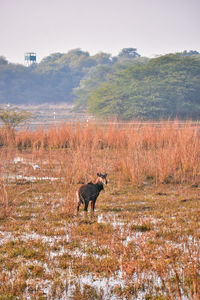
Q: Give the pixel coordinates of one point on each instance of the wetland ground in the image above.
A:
(142, 241)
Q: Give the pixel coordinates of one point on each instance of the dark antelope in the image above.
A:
(90, 191)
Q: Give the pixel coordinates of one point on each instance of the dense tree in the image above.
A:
(99, 74)
(189, 53)
(94, 78)
(52, 80)
(103, 58)
(165, 87)
(3, 60)
(129, 52)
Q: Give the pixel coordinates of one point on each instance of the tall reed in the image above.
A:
(163, 152)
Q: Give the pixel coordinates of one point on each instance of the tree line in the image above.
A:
(52, 80)
(126, 86)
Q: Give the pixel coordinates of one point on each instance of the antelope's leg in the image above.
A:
(79, 200)
(79, 205)
(93, 205)
(86, 205)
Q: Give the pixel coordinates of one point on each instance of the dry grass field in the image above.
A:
(142, 241)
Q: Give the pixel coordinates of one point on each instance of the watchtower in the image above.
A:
(29, 58)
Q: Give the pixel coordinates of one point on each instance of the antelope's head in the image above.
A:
(102, 178)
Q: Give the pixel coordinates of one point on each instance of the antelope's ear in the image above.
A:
(98, 174)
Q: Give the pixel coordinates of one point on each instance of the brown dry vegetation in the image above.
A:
(142, 242)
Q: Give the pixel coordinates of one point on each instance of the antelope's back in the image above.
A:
(89, 191)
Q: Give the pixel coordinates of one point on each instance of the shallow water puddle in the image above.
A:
(31, 178)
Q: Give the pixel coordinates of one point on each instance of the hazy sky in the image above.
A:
(48, 26)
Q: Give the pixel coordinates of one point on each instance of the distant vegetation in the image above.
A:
(126, 86)
(50, 81)
(165, 87)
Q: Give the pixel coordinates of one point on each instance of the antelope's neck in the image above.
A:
(99, 185)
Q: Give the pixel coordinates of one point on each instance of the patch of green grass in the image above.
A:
(36, 271)
(95, 250)
(141, 228)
